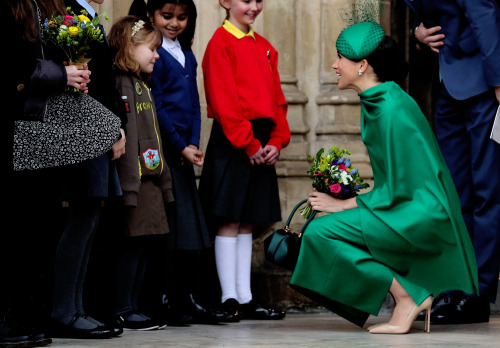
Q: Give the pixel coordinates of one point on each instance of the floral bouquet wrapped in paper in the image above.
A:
(73, 34)
(333, 174)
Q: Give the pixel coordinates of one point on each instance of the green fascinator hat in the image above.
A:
(359, 40)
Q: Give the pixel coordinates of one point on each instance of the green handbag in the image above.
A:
(282, 247)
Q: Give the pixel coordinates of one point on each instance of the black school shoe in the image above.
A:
(18, 336)
(253, 310)
(140, 325)
(60, 330)
(231, 310)
(13, 337)
(39, 338)
(204, 315)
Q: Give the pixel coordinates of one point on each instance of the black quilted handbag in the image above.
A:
(282, 247)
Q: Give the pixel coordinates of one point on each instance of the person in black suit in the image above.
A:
(466, 35)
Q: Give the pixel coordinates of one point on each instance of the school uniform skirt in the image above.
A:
(231, 189)
(188, 230)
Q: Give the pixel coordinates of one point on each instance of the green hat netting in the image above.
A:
(359, 40)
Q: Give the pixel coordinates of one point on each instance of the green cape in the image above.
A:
(412, 219)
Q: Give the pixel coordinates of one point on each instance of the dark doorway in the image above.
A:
(422, 82)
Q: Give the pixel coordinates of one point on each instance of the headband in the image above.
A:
(137, 26)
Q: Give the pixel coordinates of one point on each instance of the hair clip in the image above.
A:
(137, 26)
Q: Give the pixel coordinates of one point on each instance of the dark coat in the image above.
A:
(31, 79)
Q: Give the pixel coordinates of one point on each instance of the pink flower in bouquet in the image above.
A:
(335, 188)
(333, 174)
(67, 20)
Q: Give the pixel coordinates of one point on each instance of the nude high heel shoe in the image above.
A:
(406, 326)
(376, 325)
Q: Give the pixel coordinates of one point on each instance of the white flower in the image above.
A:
(345, 177)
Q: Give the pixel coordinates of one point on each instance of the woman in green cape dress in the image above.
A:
(407, 235)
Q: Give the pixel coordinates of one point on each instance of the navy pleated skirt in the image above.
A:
(188, 230)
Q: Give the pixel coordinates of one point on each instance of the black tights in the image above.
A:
(72, 257)
(130, 269)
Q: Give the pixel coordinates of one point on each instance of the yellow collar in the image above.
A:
(231, 28)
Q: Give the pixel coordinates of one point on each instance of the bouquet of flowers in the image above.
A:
(333, 174)
(73, 34)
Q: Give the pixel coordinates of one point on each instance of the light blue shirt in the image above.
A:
(87, 7)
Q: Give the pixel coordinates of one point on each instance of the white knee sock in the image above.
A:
(243, 267)
(225, 260)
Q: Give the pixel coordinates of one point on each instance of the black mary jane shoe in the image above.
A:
(253, 310)
(231, 310)
(59, 330)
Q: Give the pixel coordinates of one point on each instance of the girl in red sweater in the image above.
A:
(238, 186)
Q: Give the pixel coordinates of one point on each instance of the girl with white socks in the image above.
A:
(238, 185)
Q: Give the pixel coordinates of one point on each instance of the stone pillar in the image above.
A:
(279, 28)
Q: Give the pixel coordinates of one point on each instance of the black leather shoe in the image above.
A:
(117, 330)
(231, 310)
(141, 325)
(175, 317)
(253, 310)
(14, 337)
(69, 331)
(202, 315)
(442, 300)
(463, 310)
(39, 338)
(115, 327)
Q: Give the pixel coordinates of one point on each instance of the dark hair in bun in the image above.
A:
(387, 62)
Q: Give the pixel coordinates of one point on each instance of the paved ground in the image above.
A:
(300, 330)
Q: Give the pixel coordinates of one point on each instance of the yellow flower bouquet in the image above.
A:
(73, 34)
(333, 174)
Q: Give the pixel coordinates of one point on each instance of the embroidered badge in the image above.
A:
(138, 88)
(151, 158)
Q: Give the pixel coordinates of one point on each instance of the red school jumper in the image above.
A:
(241, 84)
